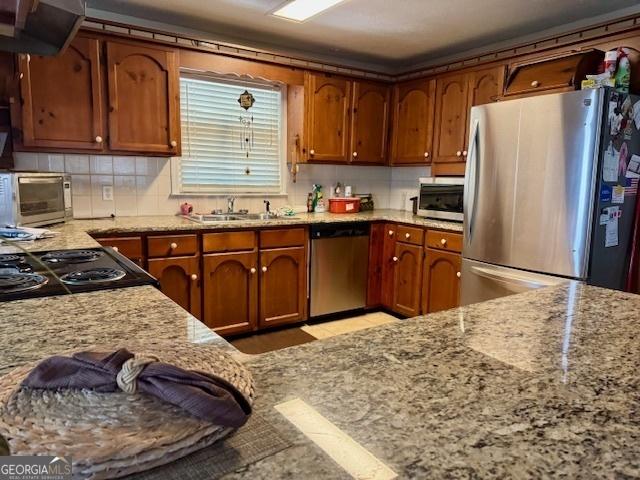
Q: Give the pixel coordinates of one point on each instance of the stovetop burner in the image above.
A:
(15, 281)
(95, 275)
(72, 256)
(16, 262)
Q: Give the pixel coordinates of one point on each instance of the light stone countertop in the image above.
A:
(538, 385)
(39, 327)
(76, 233)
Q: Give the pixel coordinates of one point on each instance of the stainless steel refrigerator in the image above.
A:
(550, 192)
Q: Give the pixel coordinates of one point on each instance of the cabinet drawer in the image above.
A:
(130, 247)
(291, 237)
(444, 240)
(228, 241)
(172, 245)
(411, 235)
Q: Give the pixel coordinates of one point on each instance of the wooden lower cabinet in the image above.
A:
(230, 292)
(179, 280)
(283, 286)
(130, 247)
(407, 279)
(387, 266)
(441, 289)
(374, 282)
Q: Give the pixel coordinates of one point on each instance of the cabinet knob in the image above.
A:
(395, 259)
(535, 83)
(407, 235)
(391, 233)
(173, 143)
(115, 249)
(464, 153)
(173, 246)
(426, 154)
(355, 154)
(194, 277)
(252, 270)
(459, 153)
(98, 139)
(264, 269)
(28, 57)
(458, 274)
(312, 152)
(443, 241)
(21, 76)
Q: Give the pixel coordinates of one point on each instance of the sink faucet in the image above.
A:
(230, 202)
(267, 206)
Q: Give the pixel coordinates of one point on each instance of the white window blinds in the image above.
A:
(219, 154)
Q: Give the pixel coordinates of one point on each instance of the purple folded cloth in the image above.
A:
(205, 396)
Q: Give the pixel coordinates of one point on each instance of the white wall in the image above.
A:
(142, 185)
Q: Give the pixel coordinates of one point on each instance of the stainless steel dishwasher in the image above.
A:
(339, 262)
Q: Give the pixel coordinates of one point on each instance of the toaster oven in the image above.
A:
(34, 199)
(441, 198)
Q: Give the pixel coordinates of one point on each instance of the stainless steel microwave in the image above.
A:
(34, 199)
(441, 198)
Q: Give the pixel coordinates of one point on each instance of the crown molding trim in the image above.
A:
(594, 32)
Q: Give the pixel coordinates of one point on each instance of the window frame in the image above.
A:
(244, 81)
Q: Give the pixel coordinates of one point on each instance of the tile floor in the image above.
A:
(289, 337)
(346, 325)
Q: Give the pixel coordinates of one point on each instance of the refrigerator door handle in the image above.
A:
(521, 281)
(471, 183)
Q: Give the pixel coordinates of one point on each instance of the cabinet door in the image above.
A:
(179, 281)
(369, 123)
(62, 100)
(387, 264)
(485, 86)
(283, 286)
(441, 280)
(451, 118)
(230, 292)
(413, 122)
(407, 279)
(327, 118)
(376, 249)
(144, 104)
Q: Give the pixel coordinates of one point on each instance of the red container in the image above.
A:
(344, 205)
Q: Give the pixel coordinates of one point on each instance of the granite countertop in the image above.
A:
(36, 328)
(76, 233)
(538, 385)
(541, 384)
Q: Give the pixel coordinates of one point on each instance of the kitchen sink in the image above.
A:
(231, 217)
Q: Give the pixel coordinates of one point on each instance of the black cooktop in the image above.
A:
(59, 272)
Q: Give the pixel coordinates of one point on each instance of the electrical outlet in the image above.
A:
(107, 192)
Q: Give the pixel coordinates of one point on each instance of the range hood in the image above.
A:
(41, 27)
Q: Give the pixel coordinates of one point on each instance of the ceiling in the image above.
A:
(382, 33)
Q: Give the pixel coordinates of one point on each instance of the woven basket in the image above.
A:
(109, 435)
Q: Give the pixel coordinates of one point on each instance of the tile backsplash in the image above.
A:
(142, 185)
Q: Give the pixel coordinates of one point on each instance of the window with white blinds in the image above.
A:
(220, 153)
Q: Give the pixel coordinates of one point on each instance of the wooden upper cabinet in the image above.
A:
(327, 118)
(407, 279)
(441, 289)
(413, 104)
(62, 99)
(179, 280)
(552, 75)
(144, 105)
(485, 86)
(451, 118)
(230, 292)
(369, 124)
(283, 286)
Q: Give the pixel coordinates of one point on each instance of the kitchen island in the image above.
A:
(541, 384)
